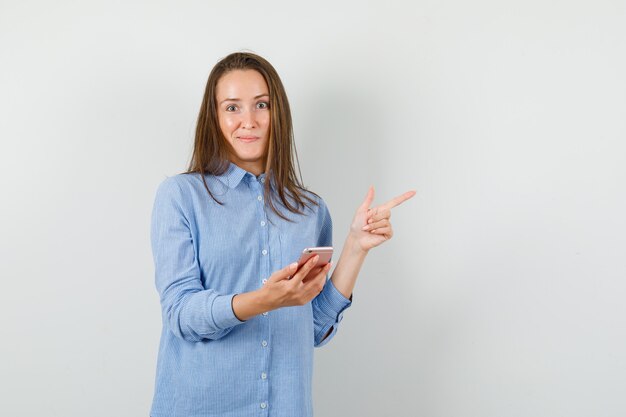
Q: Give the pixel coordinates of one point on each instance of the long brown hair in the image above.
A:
(210, 151)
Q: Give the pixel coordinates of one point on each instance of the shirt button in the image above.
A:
(264, 343)
(264, 252)
(262, 223)
(265, 314)
(260, 198)
(263, 405)
(264, 280)
(263, 375)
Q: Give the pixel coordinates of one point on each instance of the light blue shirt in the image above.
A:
(210, 363)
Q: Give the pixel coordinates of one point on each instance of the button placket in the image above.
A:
(264, 255)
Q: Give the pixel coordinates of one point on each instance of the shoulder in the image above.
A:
(318, 199)
(188, 191)
(323, 220)
(183, 183)
(175, 188)
(169, 187)
(320, 208)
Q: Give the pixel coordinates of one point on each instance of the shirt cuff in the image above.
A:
(331, 302)
(222, 312)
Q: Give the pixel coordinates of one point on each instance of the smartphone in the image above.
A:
(325, 253)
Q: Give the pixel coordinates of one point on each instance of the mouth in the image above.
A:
(248, 139)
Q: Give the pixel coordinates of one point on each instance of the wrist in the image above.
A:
(249, 304)
(353, 247)
(263, 299)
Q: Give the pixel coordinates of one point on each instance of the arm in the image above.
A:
(347, 269)
(190, 311)
(369, 228)
(329, 305)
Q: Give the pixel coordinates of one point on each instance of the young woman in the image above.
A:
(240, 317)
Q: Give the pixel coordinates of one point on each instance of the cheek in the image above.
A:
(227, 124)
(264, 120)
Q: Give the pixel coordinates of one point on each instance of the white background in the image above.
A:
(502, 292)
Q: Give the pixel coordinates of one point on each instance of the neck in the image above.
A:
(254, 168)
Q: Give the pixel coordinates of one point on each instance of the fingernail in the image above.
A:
(366, 227)
(293, 266)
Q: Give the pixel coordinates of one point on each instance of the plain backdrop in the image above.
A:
(502, 292)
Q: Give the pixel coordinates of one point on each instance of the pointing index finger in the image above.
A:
(396, 201)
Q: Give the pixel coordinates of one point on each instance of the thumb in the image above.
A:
(368, 198)
(284, 273)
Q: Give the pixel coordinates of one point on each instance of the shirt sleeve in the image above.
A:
(190, 311)
(329, 305)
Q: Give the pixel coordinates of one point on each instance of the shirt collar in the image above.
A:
(234, 174)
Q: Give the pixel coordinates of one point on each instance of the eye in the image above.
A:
(231, 107)
(263, 105)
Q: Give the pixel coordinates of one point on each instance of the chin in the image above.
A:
(250, 157)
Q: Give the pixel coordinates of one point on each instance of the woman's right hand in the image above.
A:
(282, 291)
(304, 285)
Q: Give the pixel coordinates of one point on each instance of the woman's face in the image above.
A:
(243, 104)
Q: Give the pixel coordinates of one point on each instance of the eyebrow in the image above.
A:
(238, 99)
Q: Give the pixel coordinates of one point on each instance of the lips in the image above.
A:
(248, 139)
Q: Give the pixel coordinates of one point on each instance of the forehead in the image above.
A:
(241, 84)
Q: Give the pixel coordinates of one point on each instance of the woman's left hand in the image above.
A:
(371, 226)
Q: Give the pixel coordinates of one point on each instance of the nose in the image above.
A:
(248, 120)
